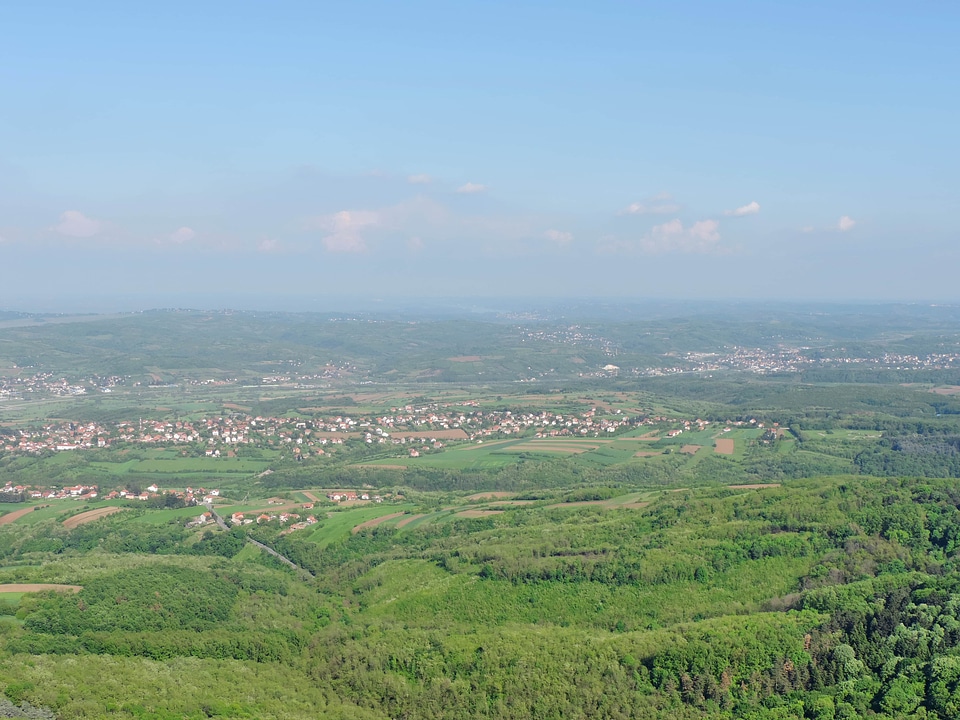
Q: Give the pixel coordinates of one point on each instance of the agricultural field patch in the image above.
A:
(15, 515)
(161, 517)
(724, 446)
(338, 525)
(571, 448)
(90, 516)
(493, 495)
(408, 519)
(478, 513)
(54, 509)
(373, 522)
(21, 588)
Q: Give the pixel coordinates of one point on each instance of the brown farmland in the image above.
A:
(724, 446)
(375, 521)
(477, 513)
(407, 520)
(38, 587)
(495, 494)
(89, 516)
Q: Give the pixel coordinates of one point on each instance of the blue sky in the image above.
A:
(307, 149)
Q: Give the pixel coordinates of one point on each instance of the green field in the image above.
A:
(337, 525)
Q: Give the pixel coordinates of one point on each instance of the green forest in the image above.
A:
(821, 598)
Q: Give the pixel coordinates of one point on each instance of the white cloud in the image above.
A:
(74, 223)
(701, 237)
(415, 244)
(419, 179)
(268, 245)
(345, 228)
(388, 228)
(558, 236)
(182, 235)
(660, 204)
(749, 209)
(470, 188)
(846, 223)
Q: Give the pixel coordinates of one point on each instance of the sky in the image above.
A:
(286, 153)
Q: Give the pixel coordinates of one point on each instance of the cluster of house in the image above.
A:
(74, 492)
(350, 496)
(427, 425)
(239, 518)
(793, 360)
(190, 496)
(45, 383)
(420, 428)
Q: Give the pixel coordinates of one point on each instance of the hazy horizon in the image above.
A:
(414, 307)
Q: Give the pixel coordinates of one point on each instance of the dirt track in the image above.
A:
(89, 516)
(755, 486)
(12, 516)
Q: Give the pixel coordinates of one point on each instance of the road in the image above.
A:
(265, 548)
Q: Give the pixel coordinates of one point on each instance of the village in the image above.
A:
(431, 425)
(412, 429)
(188, 496)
